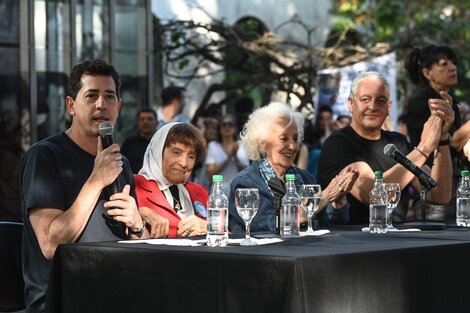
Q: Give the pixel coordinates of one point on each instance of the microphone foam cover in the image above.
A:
(390, 149)
(105, 128)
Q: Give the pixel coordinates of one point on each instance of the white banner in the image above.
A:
(334, 85)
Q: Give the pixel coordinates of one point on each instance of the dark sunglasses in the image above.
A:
(227, 124)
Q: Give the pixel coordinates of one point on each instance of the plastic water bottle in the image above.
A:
(290, 204)
(217, 214)
(463, 200)
(378, 206)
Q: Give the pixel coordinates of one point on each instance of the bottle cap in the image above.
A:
(378, 174)
(464, 173)
(290, 177)
(217, 178)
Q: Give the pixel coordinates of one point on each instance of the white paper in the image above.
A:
(315, 233)
(259, 241)
(366, 230)
(200, 242)
(168, 242)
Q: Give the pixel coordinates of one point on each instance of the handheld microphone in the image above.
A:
(425, 180)
(105, 129)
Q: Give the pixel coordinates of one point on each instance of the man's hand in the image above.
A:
(108, 164)
(123, 208)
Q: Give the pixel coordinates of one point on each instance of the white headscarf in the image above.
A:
(152, 170)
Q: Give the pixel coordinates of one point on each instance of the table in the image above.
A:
(344, 271)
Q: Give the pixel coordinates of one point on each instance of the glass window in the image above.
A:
(92, 29)
(9, 26)
(11, 150)
(131, 62)
(52, 56)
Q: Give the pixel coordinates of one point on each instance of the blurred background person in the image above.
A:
(342, 121)
(134, 146)
(433, 69)
(172, 106)
(402, 125)
(271, 138)
(323, 126)
(316, 134)
(301, 159)
(209, 128)
(224, 155)
(11, 153)
(244, 106)
(170, 204)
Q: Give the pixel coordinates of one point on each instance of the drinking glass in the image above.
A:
(310, 197)
(247, 203)
(393, 197)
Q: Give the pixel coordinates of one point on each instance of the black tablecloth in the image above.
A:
(344, 271)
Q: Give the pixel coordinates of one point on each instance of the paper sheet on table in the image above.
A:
(168, 242)
(366, 230)
(315, 233)
(194, 243)
(259, 241)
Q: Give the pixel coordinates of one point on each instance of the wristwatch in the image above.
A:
(140, 231)
(445, 142)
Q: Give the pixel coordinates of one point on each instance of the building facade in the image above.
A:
(40, 41)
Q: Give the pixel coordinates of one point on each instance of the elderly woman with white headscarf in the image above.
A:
(170, 204)
(271, 138)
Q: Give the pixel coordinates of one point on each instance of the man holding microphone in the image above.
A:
(65, 179)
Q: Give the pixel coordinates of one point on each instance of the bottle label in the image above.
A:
(278, 222)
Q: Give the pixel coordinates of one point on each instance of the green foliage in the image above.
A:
(183, 63)
(408, 24)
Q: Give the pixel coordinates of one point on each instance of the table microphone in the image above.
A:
(425, 180)
(105, 129)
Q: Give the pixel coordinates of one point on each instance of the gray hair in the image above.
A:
(367, 76)
(259, 123)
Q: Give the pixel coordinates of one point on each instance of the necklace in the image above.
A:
(177, 207)
(175, 195)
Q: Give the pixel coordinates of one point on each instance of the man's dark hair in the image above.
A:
(94, 67)
(170, 93)
(147, 110)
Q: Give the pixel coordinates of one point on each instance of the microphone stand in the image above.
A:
(424, 224)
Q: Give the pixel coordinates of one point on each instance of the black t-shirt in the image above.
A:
(134, 149)
(53, 172)
(344, 147)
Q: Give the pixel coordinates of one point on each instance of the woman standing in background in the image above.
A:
(224, 155)
(433, 70)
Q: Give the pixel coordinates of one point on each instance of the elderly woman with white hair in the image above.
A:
(271, 138)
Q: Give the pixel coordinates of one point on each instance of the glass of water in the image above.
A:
(247, 203)
(393, 197)
(310, 197)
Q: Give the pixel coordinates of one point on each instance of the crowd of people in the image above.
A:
(163, 171)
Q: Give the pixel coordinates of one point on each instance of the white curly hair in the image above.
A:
(260, 122)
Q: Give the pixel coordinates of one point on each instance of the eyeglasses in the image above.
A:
(227, 124)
